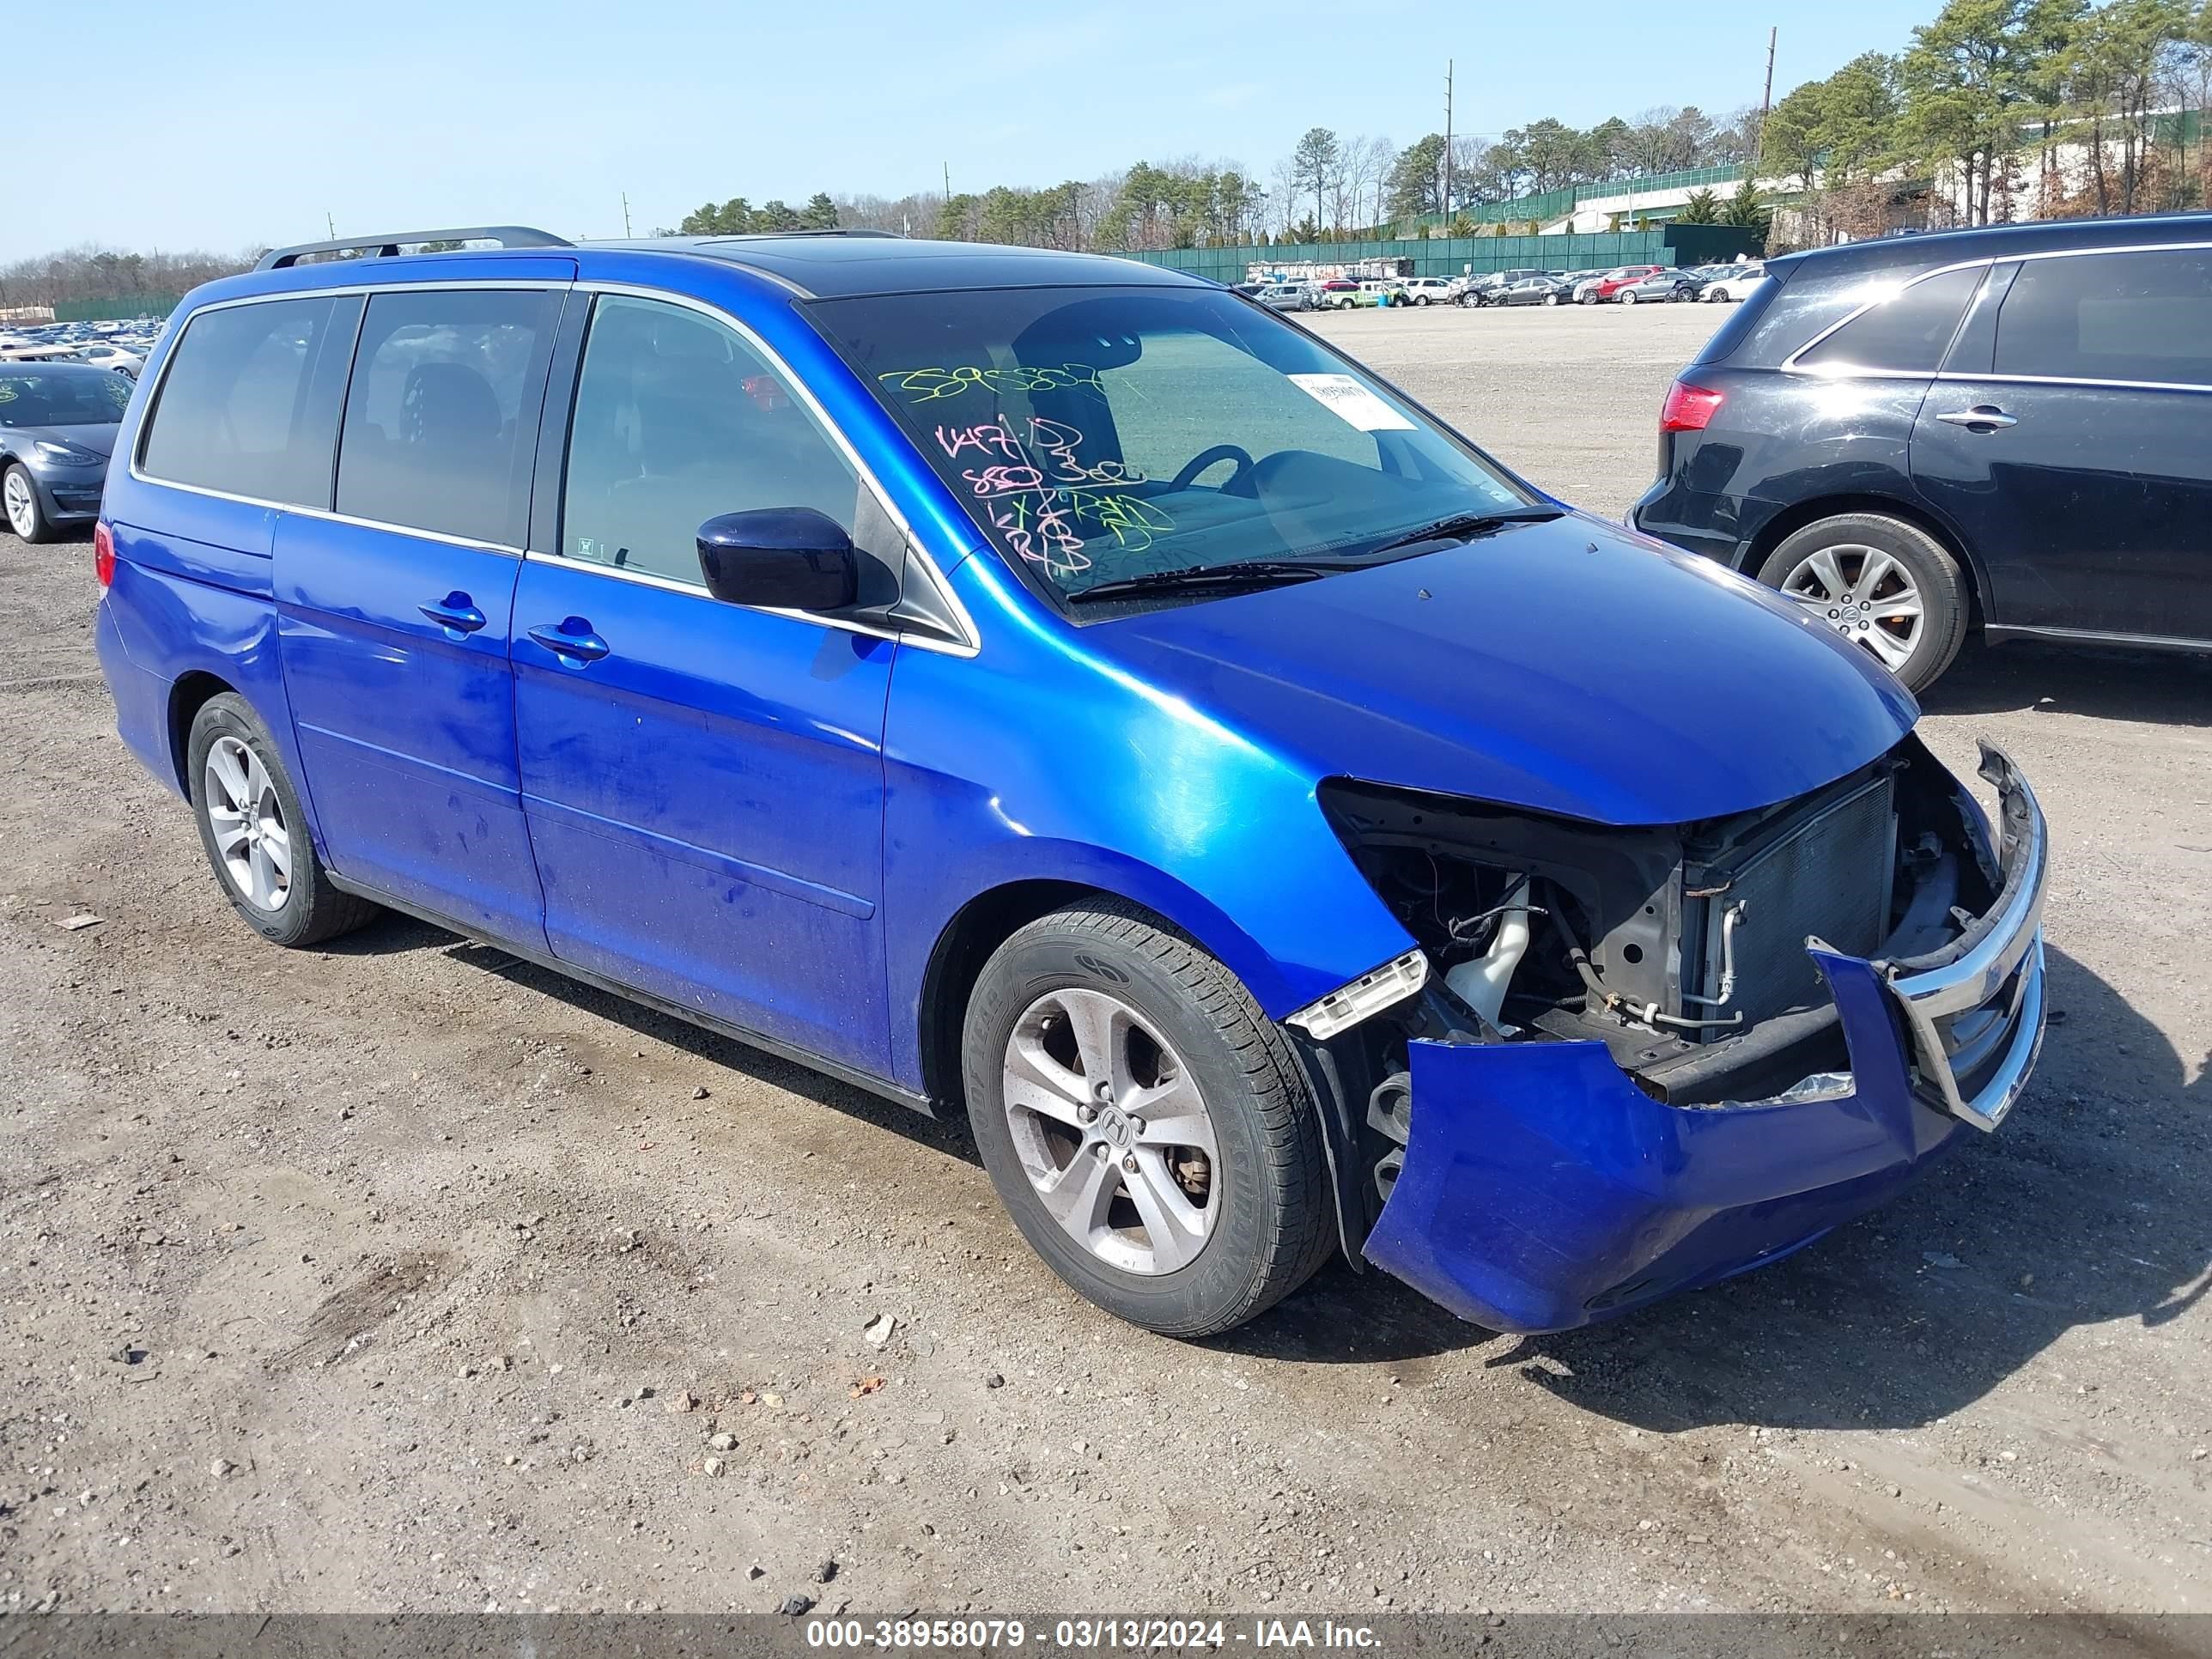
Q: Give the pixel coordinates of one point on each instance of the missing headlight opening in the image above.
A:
(1681, 947)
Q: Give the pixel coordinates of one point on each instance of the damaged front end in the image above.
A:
(1643, 1060)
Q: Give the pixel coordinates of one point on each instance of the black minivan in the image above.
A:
(2009, 430)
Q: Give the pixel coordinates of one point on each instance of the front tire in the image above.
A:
(1147, 1125)
(1884, 584)
(27, 514)
(254, 833)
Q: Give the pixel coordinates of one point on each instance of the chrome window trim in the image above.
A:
(698, 591)
(2075, 379)
(1790, 366)
(917, 553)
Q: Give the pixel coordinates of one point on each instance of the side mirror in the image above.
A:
(784, 558)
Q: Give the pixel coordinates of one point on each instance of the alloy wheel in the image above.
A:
(22, 510)
(1865, 594)
(1111, 1131)
(247, 819)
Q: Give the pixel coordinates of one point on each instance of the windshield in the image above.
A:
(1098, 435)
(78, 400)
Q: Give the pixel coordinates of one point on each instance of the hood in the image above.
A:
(99, 438)
(1570, 667)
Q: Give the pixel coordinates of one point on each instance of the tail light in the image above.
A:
(1689, 408)
(103, 553)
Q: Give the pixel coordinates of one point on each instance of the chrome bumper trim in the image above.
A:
(2005, 947)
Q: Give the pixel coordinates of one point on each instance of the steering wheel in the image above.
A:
(1206, 457)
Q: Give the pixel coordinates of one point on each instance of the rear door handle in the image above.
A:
(573, 641)
(1986, 418)
(457, 611)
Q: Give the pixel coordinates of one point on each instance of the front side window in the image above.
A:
(439, 428)
(238, 411)
(1908, 332)
(679, 421)
(2111, 317)
(63, 399)
(1101, 435)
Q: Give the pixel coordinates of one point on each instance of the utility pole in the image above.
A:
(1765, 104)
(332, 225)
(625, 215)
(1448, 145)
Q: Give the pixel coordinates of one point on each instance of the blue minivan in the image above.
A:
(1064, 693)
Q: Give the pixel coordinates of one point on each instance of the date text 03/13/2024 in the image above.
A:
(1090, 1634)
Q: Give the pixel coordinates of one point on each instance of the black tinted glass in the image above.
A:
(440, 419)
(239, 410)
(1907, 333)
(2111, 317)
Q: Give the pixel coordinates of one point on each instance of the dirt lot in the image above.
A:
(381, 1278)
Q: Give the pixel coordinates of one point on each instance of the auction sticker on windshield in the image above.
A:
(1351, 402)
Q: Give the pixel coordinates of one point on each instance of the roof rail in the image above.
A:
(386, 247)
(782, 236)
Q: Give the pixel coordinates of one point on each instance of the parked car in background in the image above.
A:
(1732, 283)
(2010, 428)
(1336, 293)
(1432, 290)
(1537, 290)
(1602, 288)
(1002, 718)
(1288, 296)
(57, 423)
(1660, 287)
(1496, 283)
(1384, 291)
(105, 355)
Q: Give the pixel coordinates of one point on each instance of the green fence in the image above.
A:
(1558, 203)
(116, 311)
(1439, 256)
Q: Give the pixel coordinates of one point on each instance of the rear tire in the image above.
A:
(254, 833)
(1148, 1222)
(1844, 570)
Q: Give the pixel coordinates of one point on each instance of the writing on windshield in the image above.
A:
(1028, 475)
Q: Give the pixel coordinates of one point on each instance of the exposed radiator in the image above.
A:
(1827, 874)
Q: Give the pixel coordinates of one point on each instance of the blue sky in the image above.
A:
(248, 122)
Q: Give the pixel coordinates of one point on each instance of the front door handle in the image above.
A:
(573, 641)
(457, 611)
(1982, 417)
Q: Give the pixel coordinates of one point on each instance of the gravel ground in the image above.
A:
(403, 1276)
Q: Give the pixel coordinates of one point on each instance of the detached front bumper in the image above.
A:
(1542, 1189)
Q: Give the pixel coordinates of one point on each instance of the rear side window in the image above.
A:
(2111, 317)
(1907, 333)
(440, 420)
(241, 407)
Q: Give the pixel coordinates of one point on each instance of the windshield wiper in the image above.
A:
(1465, 527)
(1246, 573)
